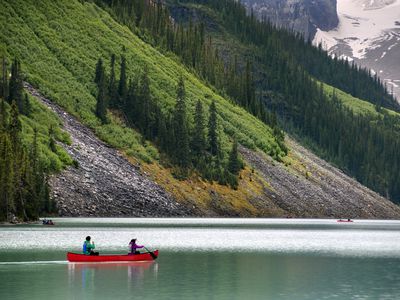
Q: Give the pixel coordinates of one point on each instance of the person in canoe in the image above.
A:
(133, 247)
(88, 247)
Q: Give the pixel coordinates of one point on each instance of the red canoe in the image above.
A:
(75, 257)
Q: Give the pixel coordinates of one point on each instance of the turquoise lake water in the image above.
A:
(205, 259)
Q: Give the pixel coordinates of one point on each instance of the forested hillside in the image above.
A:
(28, 149)
(59, 53)
(183, 93)
(288, 73)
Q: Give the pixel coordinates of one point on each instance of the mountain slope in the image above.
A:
(368, 33)
(104, 183)
(302, 16)
(59, 43)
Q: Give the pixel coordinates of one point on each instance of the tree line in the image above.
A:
(280, 42)
(152, 21)
(24, 191)
(188, 147)
(285, 83)
(362, 145)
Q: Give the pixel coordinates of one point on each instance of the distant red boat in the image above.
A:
(345, 221)
(75, 257)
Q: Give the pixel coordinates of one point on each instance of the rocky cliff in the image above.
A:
(304, 16)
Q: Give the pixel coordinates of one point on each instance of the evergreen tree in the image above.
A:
(4, 80)
(199, 138)
(213, 130)
(99, 72)
(26, 106)
(101, 103)
(234, 163)
(146, 119)
(182, 150)
(122, 85)
(6, 177)
(112, 86)
(3, 116)
(15, 127)
(16, 86)
(52, 140)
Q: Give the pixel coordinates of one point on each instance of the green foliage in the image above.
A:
(59, 51)
(213, 131)
(180, 128)
(198, 135)
(361, 137)
(23, 180)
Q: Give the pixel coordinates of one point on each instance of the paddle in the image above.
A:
(151, 253)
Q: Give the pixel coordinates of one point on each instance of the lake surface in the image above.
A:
(205, 259)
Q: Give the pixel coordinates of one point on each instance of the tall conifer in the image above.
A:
(182, 151)
(199, 138)
(122, 85)
(212, 130)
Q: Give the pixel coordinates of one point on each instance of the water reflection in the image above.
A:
(86, 279)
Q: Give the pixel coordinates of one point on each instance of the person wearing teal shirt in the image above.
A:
(88, 247)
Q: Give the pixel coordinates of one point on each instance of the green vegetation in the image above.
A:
(60, 51)
(28, 150)
(169, 130)
(288, 76)
(357, 105)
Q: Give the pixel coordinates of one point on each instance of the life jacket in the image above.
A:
(84, 248)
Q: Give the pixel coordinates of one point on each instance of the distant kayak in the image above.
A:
(50, 222)
(75, 257)
(344, 221)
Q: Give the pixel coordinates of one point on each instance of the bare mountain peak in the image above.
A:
(304, 16)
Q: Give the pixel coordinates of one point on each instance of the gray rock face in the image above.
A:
(304, 16)
(323, 192)
(105, 184)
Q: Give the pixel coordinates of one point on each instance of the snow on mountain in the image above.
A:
(369, 33)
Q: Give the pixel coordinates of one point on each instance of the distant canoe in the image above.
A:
(344, 221)
(75, 257)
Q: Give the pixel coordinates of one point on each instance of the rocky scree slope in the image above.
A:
(104, 184)
(311, 187)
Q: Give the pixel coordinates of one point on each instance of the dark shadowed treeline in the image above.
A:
(24, 190)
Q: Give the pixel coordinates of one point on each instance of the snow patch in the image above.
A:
(391, 46)
(361, 25)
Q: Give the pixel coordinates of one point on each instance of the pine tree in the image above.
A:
(15, 127)
(99, 72)
(212, 130)
(101, 103)
(122, 85)
(112, 86)
(26, 106)
(4, 80)
(52, 140)
(6, 177)
(199, 138)
(144, 104)
(182, 150)
(234, 163)
(16, 86)
(3, 116)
